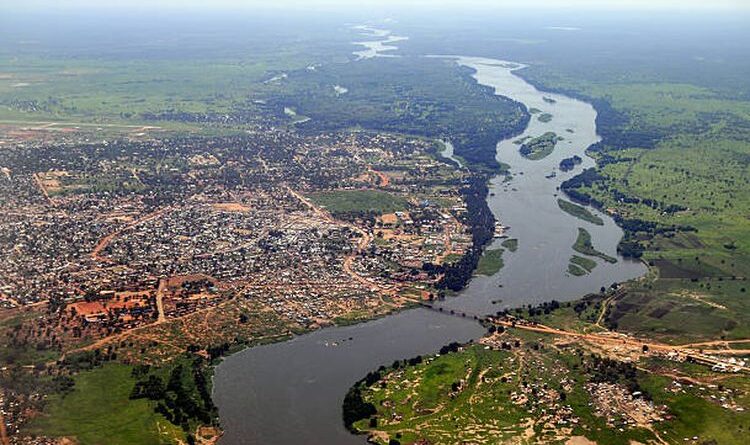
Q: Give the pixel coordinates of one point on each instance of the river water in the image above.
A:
(291, 392)
(379, 46)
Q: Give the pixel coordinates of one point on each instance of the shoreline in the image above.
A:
(255, 361)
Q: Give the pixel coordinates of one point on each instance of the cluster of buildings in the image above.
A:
(107, 234)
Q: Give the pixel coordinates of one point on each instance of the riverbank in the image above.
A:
(294, 389)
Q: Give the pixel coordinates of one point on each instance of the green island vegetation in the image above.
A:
(353, 202)
(570, 163)
(511, 244)
(580, 266)
(491, 262)
(544, 117)
(583, 245)
(579, 212)
(576, 270)
(521, 388)
(540, 147)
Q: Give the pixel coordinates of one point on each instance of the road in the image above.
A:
(104, 242)
(613, 339)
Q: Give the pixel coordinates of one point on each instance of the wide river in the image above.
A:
(291, 393)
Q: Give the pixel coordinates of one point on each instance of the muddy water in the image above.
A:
(291, 393)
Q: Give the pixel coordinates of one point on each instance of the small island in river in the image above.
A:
(540, 147)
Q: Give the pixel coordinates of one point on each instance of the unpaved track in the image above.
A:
(364, 241)
(104, 242)
(607, 339)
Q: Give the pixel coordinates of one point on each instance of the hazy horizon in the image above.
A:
(334, 5)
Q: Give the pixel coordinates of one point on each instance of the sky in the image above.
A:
(676, 5)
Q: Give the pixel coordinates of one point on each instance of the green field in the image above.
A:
(466, 397)
(579, 212)
(679, 311)
(354, 202)
(99, 412)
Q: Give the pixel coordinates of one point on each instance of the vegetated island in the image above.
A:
(570, 163)
(580, 266)
(583, 245)
(491, 262)
(544, 117)
(540, 147)
(579, 212)
(520, 141)
(511, 244)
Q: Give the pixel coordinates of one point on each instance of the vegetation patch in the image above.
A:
(359, 202)
(491, 262)
(581, 266)
(511, 244)
(99, 410)
(410, 95)
(515, 387)
(540, 147)
(583, 245)
(544, 117)
(579, 212)
(577, 271)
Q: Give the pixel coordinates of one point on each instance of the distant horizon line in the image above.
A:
(385, 6)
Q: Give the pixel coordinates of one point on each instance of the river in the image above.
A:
(291, 392)
(379, 46)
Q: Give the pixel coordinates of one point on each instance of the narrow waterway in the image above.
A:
(379, 46)
(291, 393)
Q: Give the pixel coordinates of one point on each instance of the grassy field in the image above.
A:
(86, 72)
(491, 262)
(350, 202)
(710, 182)
(678, 310)
(99, 412)
(579, 212)
(478, 395)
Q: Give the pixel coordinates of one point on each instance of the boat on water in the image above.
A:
(500, 230)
